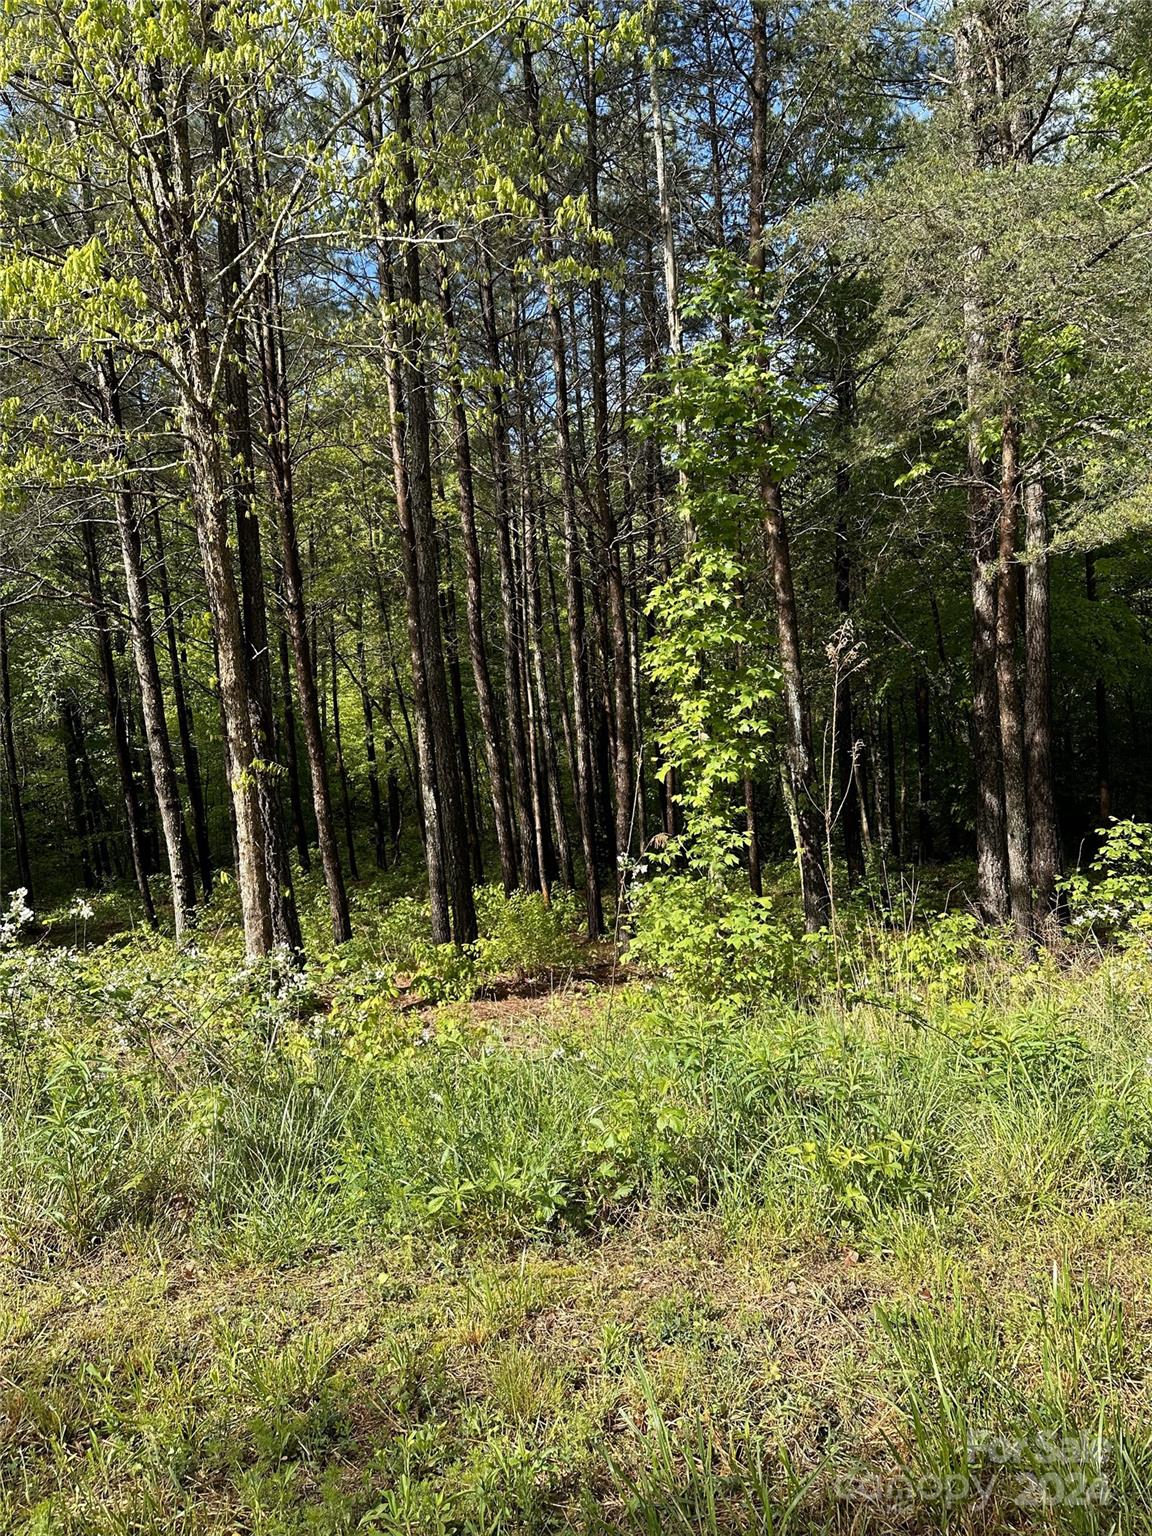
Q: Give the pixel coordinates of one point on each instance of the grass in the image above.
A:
(310, 1254)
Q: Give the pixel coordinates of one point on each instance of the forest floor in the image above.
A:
(571, 1256)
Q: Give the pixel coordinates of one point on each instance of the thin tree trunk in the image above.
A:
(188, 750)
(534, 609)
(1045, 835)
(751, 826)
(420, 531)
(624, 763)
(667, 237)
(283, 916)
(923, 769)
(513, 648)
(292, 757)
(446, 589)
(14, 796)
(427, 797)
(797, 723)
(161, 760)
(895, 821)
(91, 813)
(300, 641)
(1007, 665)
(573, 577)
(477, 645)
(379, 832)
(341, 769)
(845, 731)
(117, 720)
(976, 58)
(1100, 694)
(85, 829)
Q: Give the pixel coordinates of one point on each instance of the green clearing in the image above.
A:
(552, 1254)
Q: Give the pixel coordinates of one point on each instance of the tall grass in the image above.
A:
(144, 1087)
(903, 1145)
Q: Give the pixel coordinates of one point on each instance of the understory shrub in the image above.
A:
(144, 1086)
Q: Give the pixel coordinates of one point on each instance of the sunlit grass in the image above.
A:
(299, 1252)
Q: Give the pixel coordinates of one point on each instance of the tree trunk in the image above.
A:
(845, 731)
(498, 785)
(446, 589)
(283, 916)
(534, 612)
(667, 238)
(279, 449)
(188, 750)
(623, 765)
(148, 674)
(207, 477)
(292, 756)
(513, 649)
(117, 721)
(341, 769)
(419, 532)
(85, 828)
(97, 810)
(1007, 665)
(379, 832)
(1100, 694)
(797, 724)
(573, 578)
(14, 795)
(173, 176)
(428, 796)
(1045, 836)
(923, 769)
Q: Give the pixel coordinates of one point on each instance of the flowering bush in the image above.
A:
(16, 918)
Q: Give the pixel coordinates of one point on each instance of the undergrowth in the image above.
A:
(536, 1262)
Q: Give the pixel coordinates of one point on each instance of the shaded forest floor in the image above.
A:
(327, 1254)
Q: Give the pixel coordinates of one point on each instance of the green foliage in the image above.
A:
(1113, 898)
(523, 938)
(499, 1273)
(713, 942)
(708, 660)
(729, 409)
(147, 1087)
(728, 413)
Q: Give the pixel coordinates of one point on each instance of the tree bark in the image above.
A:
(117, 720)
(341, 767)
(14, 795)
(815, 891)
(845, 729)
(1100, 698)
(923, 768)
(163, 765)
(173, 187)
(573, 577)
(283, 916)
(379, 832)
(1045, 835)
(624, 763)
(419, 531)
(498, 785)
(513, 647)
(1007, 664)
(292, 756)
(188, 751)
(85, 829)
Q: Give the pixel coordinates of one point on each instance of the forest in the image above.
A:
(575, 843)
